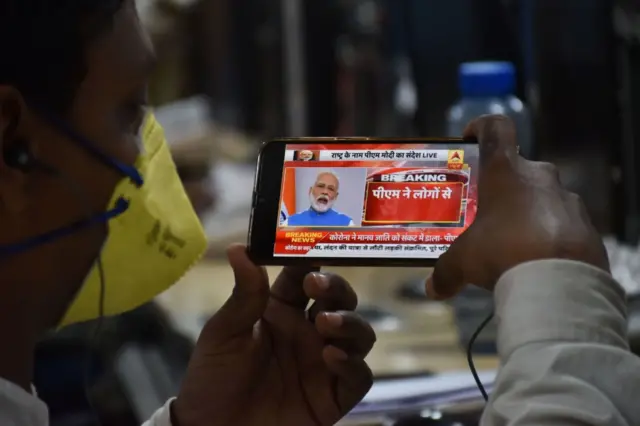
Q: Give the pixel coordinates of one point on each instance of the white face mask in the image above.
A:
(320, 204)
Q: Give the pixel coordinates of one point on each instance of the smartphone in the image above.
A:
(361, 201)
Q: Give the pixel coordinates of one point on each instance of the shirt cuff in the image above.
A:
(162, 417)
(559, 300)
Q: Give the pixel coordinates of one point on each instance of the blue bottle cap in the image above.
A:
(487, 79)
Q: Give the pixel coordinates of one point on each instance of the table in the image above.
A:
(424, 339)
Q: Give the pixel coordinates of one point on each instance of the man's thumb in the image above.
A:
(248, 300)
(450, 273)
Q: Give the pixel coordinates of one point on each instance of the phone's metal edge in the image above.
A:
(255, 193)
(332, 139)
(351, 262)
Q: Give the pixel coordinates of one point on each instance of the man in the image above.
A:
(561, 317)
(82, 159)
(322, 196)
(305, 155)
(72, 78)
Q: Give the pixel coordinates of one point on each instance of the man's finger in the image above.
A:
(331, 292)
(248, 300)
(496, 135)
(452, 270)
(347, 331)
(287, 288)
(545, 173)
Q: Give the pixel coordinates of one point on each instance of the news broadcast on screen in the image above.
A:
(375, 200)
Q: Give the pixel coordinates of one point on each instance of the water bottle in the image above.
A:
(488, 88)
(485, 88)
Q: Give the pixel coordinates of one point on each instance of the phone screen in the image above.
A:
(375, 200)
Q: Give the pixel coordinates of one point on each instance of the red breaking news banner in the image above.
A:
(375, 200)
(392, 203)
(397, 196)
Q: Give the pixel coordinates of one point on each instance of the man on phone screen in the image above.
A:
(322, 196)
(305, 155)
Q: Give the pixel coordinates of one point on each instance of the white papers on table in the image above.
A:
(419, 393)
(234, 188)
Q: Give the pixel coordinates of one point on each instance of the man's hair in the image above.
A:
(329, 173)
(43, 44)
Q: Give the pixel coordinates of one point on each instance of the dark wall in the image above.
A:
(627, 157)
(577, 121)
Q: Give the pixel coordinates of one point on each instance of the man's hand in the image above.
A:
(523, 214)
(264, 359)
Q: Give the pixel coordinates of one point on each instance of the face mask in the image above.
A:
(154, 234)
(152, 244)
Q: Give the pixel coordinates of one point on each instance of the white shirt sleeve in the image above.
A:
(21, 408)
(284, 222)
(563, 349)
(162, 417)
(351, 223)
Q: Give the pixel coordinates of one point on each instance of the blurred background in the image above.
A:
(234, 73)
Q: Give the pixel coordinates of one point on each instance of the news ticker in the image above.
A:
(364, 250)
(446, 155)
(330, 243)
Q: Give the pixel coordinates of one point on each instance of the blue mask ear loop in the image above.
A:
(126, 170)
(121, 206)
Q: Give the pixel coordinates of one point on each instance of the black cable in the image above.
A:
(93, 342)
(472, 366)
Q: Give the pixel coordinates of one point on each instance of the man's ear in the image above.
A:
(12, 179)
(12, 113)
